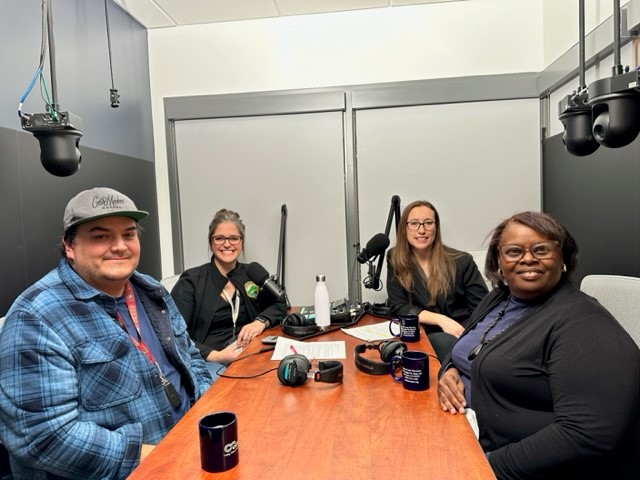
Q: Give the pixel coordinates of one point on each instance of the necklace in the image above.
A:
(483, 341)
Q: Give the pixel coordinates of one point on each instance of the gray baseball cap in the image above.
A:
(97, 203)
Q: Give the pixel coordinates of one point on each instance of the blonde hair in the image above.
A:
(442, 268)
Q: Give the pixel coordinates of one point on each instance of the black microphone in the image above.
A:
(376, 246)
(260, 277)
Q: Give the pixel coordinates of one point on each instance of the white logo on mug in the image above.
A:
(230, 448)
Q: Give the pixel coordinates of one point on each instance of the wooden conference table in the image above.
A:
(368, 427)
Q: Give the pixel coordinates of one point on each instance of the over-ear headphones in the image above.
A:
(388, 349)
(380, 310)
(294, 370)
(297, 325)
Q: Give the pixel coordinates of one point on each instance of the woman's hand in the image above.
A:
(451, 327)
(451, 392)
(249, 332)
(448, 325)
(225, 356)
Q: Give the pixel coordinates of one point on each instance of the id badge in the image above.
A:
(172, 394)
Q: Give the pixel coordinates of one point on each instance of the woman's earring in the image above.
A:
(564, 267)
(500, 272)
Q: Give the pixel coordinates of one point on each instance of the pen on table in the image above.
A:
(293, 349)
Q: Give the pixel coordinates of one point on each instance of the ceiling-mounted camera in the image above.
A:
(575, 115)
(59, 137)
(607, 112)
(615, 103)
(573, 110)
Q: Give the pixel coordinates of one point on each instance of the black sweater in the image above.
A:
(557, 395)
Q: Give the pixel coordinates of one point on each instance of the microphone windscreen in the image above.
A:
(257, 273)
(378, 244)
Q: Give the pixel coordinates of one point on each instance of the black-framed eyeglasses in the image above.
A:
(415, 224)
(232, 239)
(541, 251)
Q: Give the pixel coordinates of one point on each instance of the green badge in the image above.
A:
(252, 289)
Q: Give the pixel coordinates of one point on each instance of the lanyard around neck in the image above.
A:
(130, 300)
(234, 303)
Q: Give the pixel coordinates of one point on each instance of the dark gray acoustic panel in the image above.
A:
(36, 200)
(597, 198)
(12, 254)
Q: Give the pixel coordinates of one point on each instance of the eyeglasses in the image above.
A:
(415, 225)
(232, 239)
(541, 251)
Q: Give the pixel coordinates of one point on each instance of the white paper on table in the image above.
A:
(370, 333)
(311, 350)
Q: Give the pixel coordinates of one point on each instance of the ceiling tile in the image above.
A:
(189, 12)
(146, 12)
(398, 3)
(167, 13)
(298, 7)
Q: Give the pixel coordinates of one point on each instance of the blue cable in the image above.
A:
(28, 90)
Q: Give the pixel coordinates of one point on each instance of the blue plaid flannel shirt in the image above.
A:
(77, 399)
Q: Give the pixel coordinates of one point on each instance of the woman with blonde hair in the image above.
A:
(425, 277)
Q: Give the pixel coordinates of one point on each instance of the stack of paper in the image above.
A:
(311, 350)
(370, 333)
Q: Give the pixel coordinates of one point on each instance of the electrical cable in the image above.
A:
(44, 94)
(43, 49)
(262, 350)
(113, 92)
(106, 16)
(247, 376)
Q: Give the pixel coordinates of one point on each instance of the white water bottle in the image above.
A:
(322, 304)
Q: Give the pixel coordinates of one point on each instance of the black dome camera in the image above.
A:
(615, 103)
(59, 137)
(576, 117)
(59, 151)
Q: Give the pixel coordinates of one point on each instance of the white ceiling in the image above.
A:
(171, 13)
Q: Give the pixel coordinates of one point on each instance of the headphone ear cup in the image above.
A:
(297, 325)
(293, 369)
(294, 319)
(391, 348)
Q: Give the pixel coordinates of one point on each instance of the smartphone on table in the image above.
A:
(270, 339)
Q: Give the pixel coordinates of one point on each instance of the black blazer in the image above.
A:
(197, 295)
(465, 295)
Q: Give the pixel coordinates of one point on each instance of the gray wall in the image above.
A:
(430, 139)
(117, 145)
(597, 198)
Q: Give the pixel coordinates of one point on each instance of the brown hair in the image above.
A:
(224, 215)
(70, 234)
(442, 268)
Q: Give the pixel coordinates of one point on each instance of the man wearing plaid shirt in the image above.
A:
(95, 361)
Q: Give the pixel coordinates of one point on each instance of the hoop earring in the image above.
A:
(500, 272)
(564, 267)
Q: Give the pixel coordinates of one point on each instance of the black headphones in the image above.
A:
(380, 310)
(297, 325)
(388, 349)
(294, 370)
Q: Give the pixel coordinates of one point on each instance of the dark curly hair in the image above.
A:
(542, 223)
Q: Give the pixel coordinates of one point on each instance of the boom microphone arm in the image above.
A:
(373, 279)
(281, 252)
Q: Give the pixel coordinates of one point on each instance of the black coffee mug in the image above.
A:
(409, 328)
(218, 441)
(415, 370)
